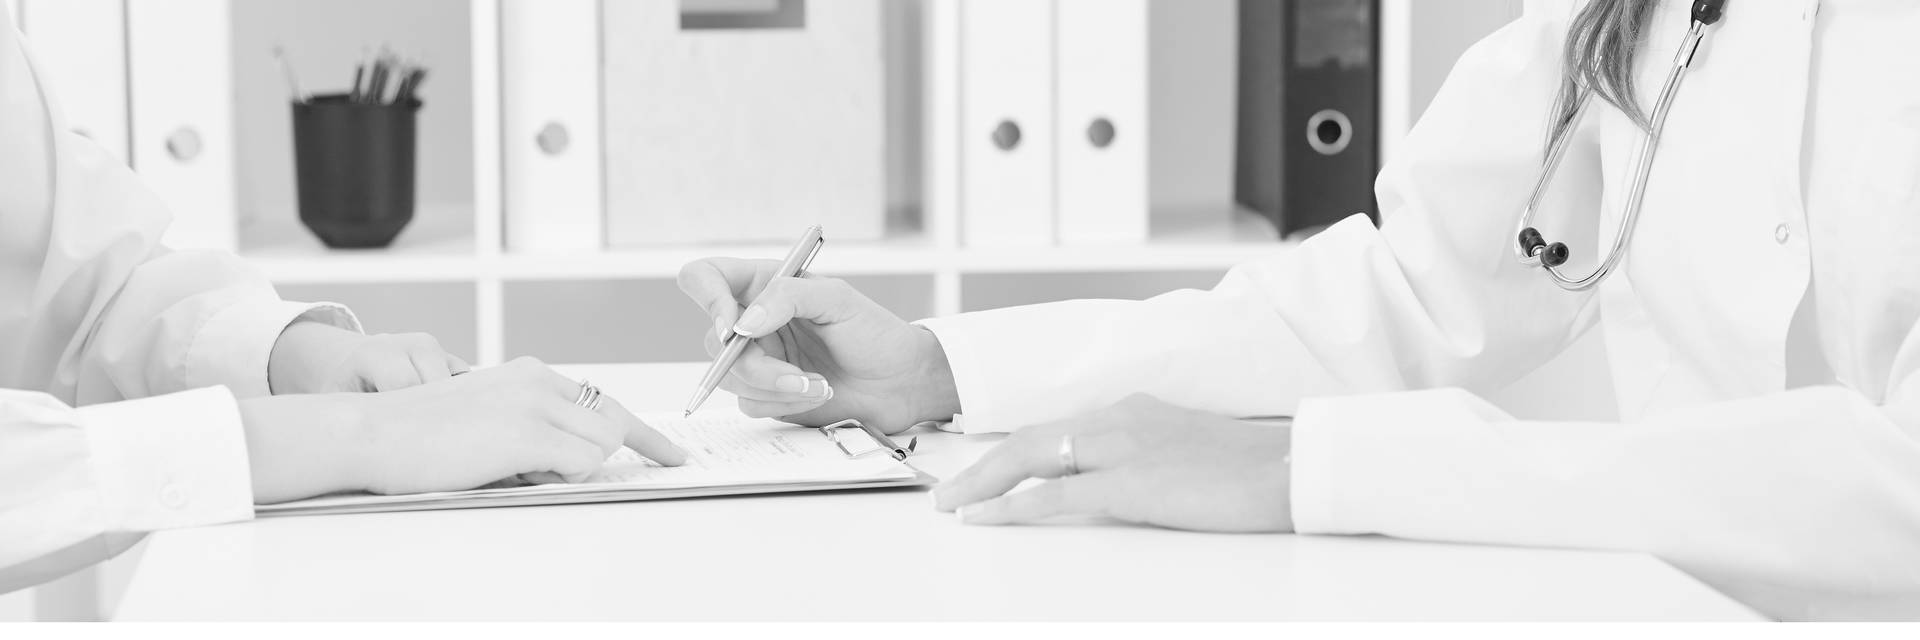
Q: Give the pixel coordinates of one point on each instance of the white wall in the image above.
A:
(1191, 104)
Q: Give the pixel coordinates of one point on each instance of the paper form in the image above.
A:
(731, 449)
(725, 456)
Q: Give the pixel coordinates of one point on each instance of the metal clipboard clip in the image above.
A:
(881, 443)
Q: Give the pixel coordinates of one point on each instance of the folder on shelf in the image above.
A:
(1102, 121)
(82, 47)
(1006, 122)
(726, 456)
(550, 124)
(1309, 110)
(179, 56)
(730, 122)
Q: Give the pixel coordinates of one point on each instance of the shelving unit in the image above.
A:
(451, 274)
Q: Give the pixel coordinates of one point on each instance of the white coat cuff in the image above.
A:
(171, 461)
(954, 340)
(1368, 463)
(1312, 485)
(233, 347)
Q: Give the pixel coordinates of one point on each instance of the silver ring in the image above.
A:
(1069, 465)
(589, 397)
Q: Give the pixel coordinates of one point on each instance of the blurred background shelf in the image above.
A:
(430, 254)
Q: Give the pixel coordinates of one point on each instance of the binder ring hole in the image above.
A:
(1100, 133)
(1329, 132)
(184, 145)
(553, 139)
(1007, 135)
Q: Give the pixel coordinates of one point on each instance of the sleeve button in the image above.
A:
(1781, 234)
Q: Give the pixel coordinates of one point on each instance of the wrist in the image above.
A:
(303, 446)
(935, 395)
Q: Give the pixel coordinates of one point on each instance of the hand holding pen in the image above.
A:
(820, 351)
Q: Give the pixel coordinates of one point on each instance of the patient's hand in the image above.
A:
(514, 419)
(313, 357)
(822, 351)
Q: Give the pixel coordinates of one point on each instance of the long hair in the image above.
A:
(1599, 58)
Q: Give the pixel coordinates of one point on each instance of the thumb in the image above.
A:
(823, 301)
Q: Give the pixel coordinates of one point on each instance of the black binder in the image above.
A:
(1309, 111)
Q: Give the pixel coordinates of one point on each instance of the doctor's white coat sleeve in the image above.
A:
(1804, 504)
(94, 311)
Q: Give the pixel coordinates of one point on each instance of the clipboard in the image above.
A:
(728, 456)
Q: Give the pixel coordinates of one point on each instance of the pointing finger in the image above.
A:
(641, 437)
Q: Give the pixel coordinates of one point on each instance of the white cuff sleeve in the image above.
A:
(177, 460)
(233, 347)
(1362, 462)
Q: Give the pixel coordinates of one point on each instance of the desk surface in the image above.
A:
(874, 555)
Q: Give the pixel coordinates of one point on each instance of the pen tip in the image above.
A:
(688, 414)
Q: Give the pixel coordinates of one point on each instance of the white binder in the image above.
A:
(550, 130)
(940, 159)
(718, 134)
(81, 46)
(1102, 121)
(182, 113)
(1006, 120)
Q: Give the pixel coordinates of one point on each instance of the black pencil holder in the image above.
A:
(354, 164)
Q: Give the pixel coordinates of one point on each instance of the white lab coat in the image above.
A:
(1789, 179)
(152, 344)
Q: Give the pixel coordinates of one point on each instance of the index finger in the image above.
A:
(642, 438)
(722, 285)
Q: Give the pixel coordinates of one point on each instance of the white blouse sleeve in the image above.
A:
(71, 478)
(95, 313)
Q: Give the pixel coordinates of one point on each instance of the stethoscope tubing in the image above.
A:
(1637, 191)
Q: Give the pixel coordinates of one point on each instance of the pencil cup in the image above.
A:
(354, 166)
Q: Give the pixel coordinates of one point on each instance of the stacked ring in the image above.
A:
(589, 397)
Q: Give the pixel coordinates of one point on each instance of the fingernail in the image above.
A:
(828, 395)
(938, 503)
(749, 323)
(720, 329)
(967, 514)
(792, 383)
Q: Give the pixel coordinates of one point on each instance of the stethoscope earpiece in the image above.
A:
(1534, 245)
(1555, 255)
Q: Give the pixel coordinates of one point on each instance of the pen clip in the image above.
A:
(808, 263)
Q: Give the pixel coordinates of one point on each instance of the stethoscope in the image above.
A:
(1534, 249)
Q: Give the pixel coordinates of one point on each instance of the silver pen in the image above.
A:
(798, 259)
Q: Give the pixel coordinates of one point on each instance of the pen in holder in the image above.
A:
(354, 162)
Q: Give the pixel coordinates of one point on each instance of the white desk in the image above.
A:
(879, 555)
